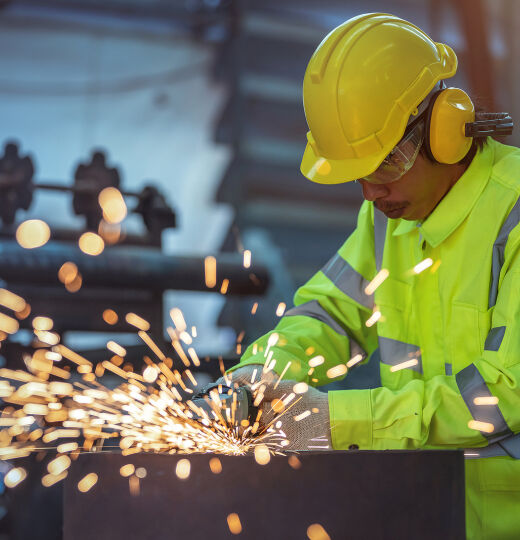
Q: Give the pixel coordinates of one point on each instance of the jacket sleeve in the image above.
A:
(473, 408)
(327, 322)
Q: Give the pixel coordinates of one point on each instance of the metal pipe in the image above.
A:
(122, 267)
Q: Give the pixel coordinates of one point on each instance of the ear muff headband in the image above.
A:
(451, 126)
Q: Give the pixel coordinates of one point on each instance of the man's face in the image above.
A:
(415, 195)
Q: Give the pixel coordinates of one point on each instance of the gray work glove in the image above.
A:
(304, 418)
(296, 413)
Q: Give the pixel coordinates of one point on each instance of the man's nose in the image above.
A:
(371, 192)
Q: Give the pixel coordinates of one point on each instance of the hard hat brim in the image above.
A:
(338, 171)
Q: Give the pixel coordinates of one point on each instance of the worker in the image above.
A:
(428, 284)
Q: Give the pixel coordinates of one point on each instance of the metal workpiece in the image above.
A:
(353, 494)
(128, 268)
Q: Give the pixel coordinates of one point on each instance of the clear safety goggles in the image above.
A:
(400, 160)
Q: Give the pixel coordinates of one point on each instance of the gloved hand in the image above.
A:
(304, 417)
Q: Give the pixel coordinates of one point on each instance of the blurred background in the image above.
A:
(192, 110)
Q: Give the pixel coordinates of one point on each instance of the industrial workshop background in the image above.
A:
(193, 110)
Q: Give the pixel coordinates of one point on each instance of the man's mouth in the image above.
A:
(390, 211)
(396, 213)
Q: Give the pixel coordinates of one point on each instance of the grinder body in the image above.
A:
(234, 404)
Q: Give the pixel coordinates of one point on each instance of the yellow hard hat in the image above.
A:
(362, 84)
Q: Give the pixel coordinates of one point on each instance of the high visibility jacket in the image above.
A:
(447, 335)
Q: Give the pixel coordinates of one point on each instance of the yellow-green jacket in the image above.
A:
(456, 325)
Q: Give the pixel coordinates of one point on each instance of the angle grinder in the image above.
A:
(235, 405)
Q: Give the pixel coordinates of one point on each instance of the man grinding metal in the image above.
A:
(439, 230)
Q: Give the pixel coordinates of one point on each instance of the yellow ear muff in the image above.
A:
(449, 112)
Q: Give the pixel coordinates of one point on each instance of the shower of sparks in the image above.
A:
(486, 400)
(194, 357)
(61, 404)
(33, 233)
(14, 477)
(235, 527)
(12, 301)
(127, 470)
(140, 472)
(116, 348)
(113, 205)
(280, 310)
(24, 313)
(354, 360)
(423, 265)
(42, 323)
(8, 324)
(91, 244)
(110, 232)
(254, 308)
(373, 319)
(481, 426)
(271, 342)
(134, 486)
(87, 482)
(262, 454)
(294, 462)
(435, 266)
(300, 388)
(178, 319)
(287, 366)
(138, 322)
(110, 316)
(68, 272)
(403, 365)
(215, 465)
(336, 371)
(317, 532)
(247, 258)
(183, 469)
(376, 282)
(210, 271)
(302, 416)
(316, 361)
(74, 285)
(224, 286)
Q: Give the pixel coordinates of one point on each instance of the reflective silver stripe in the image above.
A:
(448, 369)
(494, 338)
(314, 310)
(380, 223)
(393, 352)
(472, 385)
(506, 447)
(511, 445)
(348, 281)
(499, 248)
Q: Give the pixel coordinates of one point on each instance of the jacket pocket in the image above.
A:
(464, 336)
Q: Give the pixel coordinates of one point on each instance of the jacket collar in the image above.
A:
(457, 203)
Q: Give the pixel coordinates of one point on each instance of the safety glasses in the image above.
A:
(400, 160)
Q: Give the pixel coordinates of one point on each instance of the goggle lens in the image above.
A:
(401, 158)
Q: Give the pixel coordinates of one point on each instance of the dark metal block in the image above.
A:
(376, 495)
